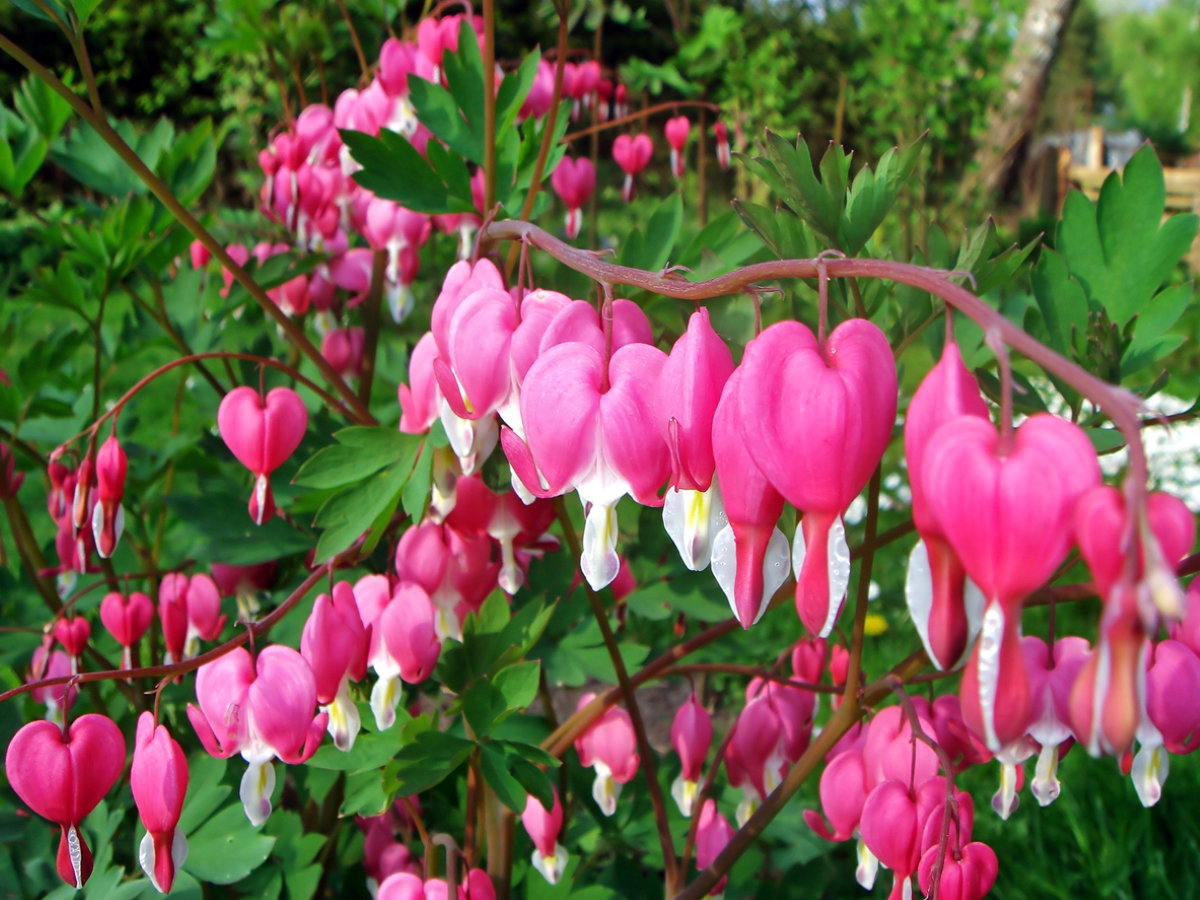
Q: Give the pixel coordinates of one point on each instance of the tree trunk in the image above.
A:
(1024, 81)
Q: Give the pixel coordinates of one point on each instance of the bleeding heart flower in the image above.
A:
(505, 519)
(966, 875)
(610, 748)
(1051, 682)
(678, 129)
(632, 155)
(754, 759)
(1007, 508)
(691, 736)
(946, 607)
(574, 181)
(421, 398)
(549, 856)
(590, 427)
(1116, 674)
(817, 420)
(1172, 717)
(689, 390)
(264, 709)
(126, 620)
(404, 642)
(159, 779)
(343, 349)
(62, 776)
(749, 555)
(891, 754)
(335, 645)
(262, 434)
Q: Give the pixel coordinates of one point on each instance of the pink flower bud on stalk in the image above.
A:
(689, 390)
(677, 130)
(712, 836)
(335, 645)
(610, 748)
(946, 607)
(126, 619)
(10, 480)
(159, 779)
(632, 154)
(59, 697)
(721, 133)
(73, 632)
(691, 736)
(1006, 504)
(836, 400)
(190, 610)
(62, 776)
(82, 503)
(549, 856)
(574, 180)
(343, 349)
(262, 433)
(198, 252)
(264, 709)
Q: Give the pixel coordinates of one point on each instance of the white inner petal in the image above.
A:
(989, 671)
(599, 561)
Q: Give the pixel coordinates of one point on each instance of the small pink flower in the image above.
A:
(691, 736)
(262, 433)
(608, 746)
(126, 619)
(549, 856)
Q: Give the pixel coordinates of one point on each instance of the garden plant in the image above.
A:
(354, 542)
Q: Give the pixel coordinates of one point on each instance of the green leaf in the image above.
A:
(494, 766)
(371, 750)
(1149, 343)
(437, 110)
(819, 204)
(84, 9)
(361, 451)
(416, 490)
(532, 779)
(483, 704)
(518, 683)
(1121, 250)
(393, 169)
(352, 511)
(531, 752)
(365, 794)
(227, 848)
(425, 762)
(874, 194)
(513, 91)
(205, 791)
(1062, 302)
(1105, 440)
(652, 250)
